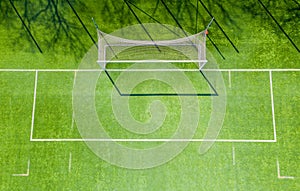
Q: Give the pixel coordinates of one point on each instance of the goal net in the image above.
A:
(151, 44)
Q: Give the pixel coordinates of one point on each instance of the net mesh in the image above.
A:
(151, 44)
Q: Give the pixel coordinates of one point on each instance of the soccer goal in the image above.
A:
(151, 44)
(155, 48)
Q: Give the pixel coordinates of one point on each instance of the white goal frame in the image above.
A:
(117, 45)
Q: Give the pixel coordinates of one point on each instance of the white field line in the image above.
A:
(27, 172)
(286, 177)
(229, 78)
(72, 125)
(152, 140)
(278, 172)
(278, 168)
(70, 162)
(33, 105)
(95, 70)
(272, 103)
(150, 61)
(256, 70)
(233, 155)
(153, 70)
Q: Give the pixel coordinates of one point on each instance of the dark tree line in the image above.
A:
(57, 21)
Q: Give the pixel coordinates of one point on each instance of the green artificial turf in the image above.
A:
(72, 165)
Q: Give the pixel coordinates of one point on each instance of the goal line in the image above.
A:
(99, 70)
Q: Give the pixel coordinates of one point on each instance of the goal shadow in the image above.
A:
(212, 88)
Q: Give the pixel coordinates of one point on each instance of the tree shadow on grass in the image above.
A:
(49, 21)
(55, 26)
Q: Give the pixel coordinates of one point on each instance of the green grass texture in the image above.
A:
(255, 98)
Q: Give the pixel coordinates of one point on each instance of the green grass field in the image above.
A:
(257, 148)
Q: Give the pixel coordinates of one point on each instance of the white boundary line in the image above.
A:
(233, 155)
(256, 70)
(152, 140)
(27, 172)
(278, 172)
(33, 105)
(70, 162)
(95, 70)
(272, 104)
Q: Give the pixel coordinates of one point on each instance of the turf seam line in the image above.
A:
(235, 48)
(282, 30)
(27, 29)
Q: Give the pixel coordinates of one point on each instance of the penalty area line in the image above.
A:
(272, 104)
(151, 140)
(33, 105)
